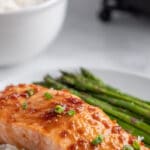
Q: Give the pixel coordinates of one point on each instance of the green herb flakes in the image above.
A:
(24, 106)
(30, 92)
(97, 140)
(48, 96)
(59, 109)
(71, 112)
(136, 145)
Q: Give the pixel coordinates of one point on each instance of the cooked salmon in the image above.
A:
(37, 118)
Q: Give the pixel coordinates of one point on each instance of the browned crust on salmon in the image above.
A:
(37, 126)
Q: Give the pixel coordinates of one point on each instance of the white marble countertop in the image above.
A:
(123, 44)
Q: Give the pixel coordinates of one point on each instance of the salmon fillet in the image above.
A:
(37, 118)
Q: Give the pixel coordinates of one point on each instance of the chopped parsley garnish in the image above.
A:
(136, 145)
(71, 112)
(97, 140)
(30, 92)
(48, 96)
(24, 105)
(59, 109)
(127, 147)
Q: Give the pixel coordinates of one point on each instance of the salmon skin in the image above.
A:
(37, 118)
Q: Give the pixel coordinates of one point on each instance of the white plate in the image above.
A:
(130, 83)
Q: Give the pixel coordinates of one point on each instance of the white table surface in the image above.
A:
(123, 44)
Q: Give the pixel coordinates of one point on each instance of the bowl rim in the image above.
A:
(31, 9)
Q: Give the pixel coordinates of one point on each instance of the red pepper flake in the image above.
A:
(64, 133)
(105, 123)
(73, 147)
(131, 140)
(121, 138)
(96, 116)
(74, 100)
(49, 115)
(91, 109)
(116, 129)
(14, 96)
(16, 109)
(82, 144)
(80, 131)
(25, 95)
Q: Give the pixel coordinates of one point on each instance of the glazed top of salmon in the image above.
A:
(62, 117)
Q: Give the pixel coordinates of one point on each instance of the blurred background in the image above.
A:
(85, 40)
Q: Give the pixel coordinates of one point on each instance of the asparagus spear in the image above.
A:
(103, 105)
(42, 83)
(89, 86)
(147, 102)
(91, 77)
(87, 74)
(133, 114)
(52, 83)
(124, 104)
(132, 130)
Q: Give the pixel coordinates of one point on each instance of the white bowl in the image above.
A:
(27, 32)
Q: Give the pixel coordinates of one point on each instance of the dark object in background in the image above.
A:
(135, 7)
